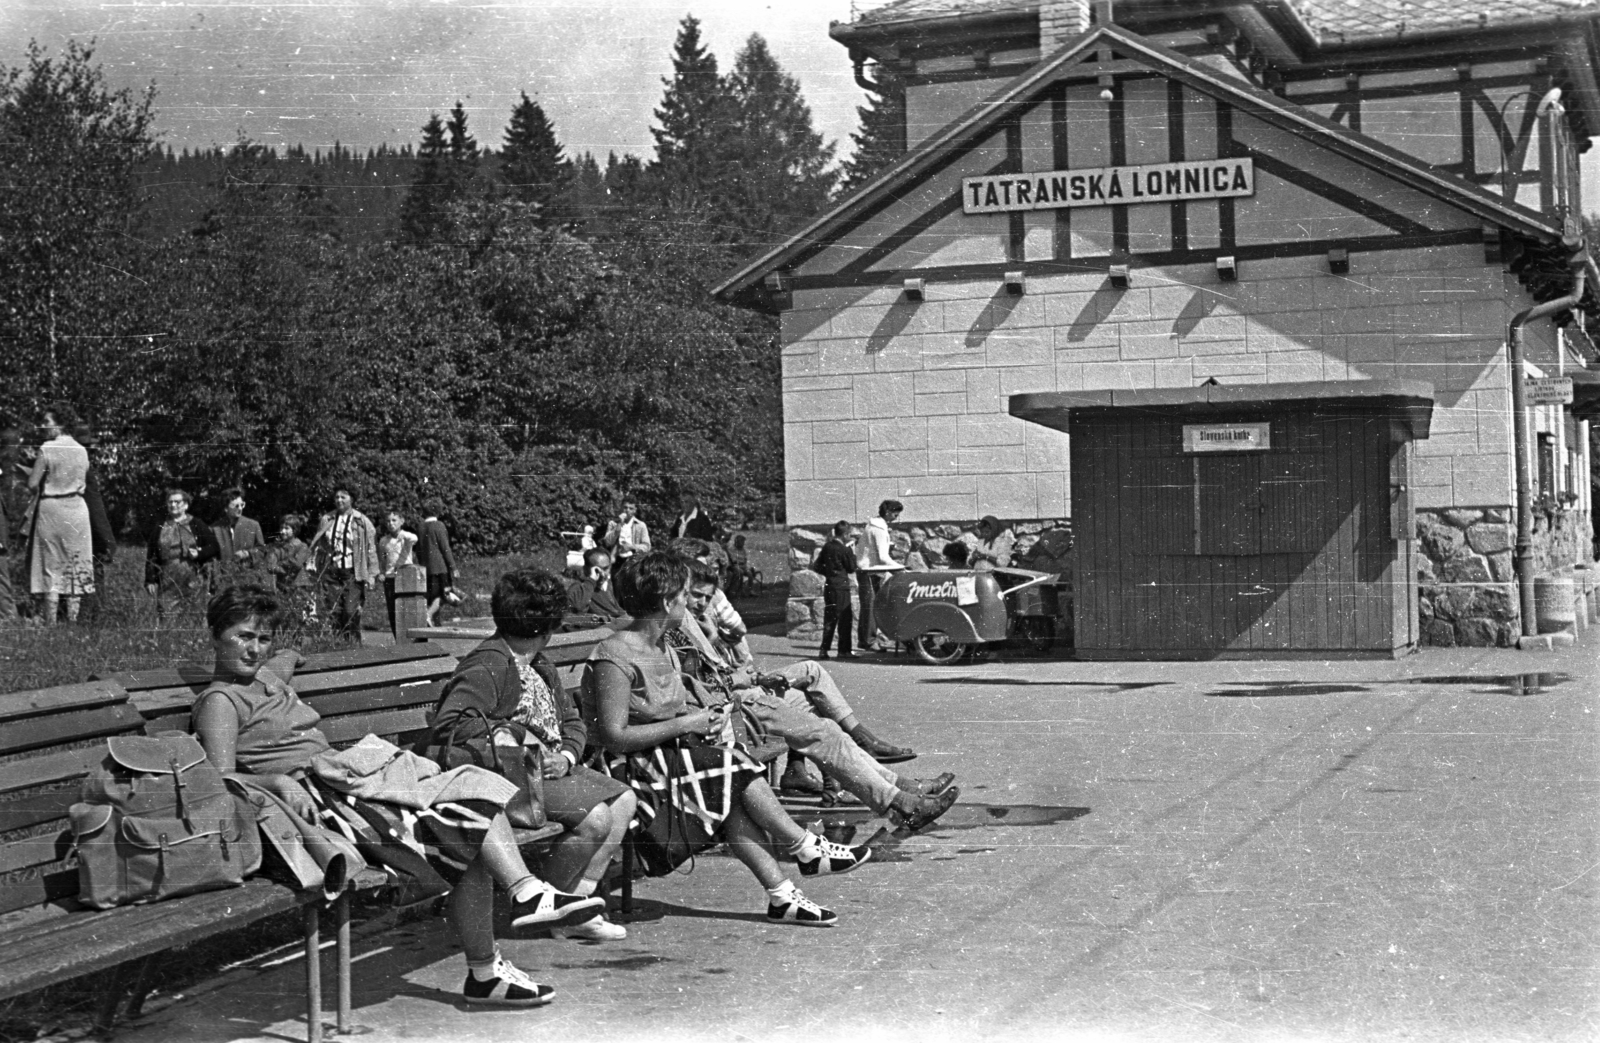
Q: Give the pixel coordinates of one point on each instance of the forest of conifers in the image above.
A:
(480, 324)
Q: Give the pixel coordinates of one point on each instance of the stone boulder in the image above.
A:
(1479, 632)
(1425, 570)
(1439, 634)
(1471, 569)
(797, 613)
(803, 583)
(1501, 567)
(1462, 517)
(806, 540)
(1440, 542)
(1490, 538)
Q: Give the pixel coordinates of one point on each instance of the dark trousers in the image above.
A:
(342, 598)
(836, 613)
(869, 583)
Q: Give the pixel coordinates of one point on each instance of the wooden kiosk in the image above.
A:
(1258, 520)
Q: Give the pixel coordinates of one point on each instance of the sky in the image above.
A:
(365, 72)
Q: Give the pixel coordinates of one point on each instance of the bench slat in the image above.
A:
(85, 942)
(395, 722)
(17, 705)
(35, 851)
(36, 808)
(156, 702)
(37, 732)
(189, 675)
(23, 894)
(52, 767)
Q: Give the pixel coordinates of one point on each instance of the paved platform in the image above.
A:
(1373, 850)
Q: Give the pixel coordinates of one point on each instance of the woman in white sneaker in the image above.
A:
(250, 721)
(508, 680)
(690, 778)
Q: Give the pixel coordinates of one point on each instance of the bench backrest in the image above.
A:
(383, 691)
(49, 740)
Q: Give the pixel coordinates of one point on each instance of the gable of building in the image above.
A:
(1159, 128)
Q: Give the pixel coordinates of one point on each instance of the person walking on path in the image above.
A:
(836, 562)
(433, 554)
(179, 547)
(873, 565)
(240, 544)
(348, 542)
(627, 535)
(60, 548)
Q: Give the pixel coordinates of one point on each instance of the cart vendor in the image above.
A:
(873, 565)
(994, 546)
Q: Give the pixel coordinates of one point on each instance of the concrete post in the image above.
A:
(410, 601)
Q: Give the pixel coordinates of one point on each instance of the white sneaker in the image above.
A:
(597, 930)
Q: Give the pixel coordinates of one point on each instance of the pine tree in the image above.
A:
(695, 114)
(531, 164)
(422, 213)
(778, 166)
(463, 146)
(881, 141)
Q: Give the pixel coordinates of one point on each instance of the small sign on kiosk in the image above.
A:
(1226, 438)
(1548, 391)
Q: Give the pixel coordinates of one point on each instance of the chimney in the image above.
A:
(1061, 22)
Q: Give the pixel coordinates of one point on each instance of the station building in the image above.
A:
(1228, 284)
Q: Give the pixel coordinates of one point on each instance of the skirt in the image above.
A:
(569, 799)
(60, 555)
(685, 795)
(430, 848)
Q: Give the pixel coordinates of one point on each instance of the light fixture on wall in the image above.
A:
(1119, 276)
(779, 287)
(1339, 261)
(1227, 269)
(1016, 283)
(914, 289)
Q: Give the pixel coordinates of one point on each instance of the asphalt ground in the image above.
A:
(1267, 850)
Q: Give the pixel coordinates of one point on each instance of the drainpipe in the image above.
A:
(1521, 436)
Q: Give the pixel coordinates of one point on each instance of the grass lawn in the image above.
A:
(120, 631)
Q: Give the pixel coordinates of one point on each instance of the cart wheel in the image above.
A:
(937, 649)
(1033, 635)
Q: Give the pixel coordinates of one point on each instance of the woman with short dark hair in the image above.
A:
(680, 758)
(508, 680)
(250, 721)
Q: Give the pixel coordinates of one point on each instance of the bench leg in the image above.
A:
(105, 1008)
(627, 876)
(313, 974)
(341, 916)
(141, 988)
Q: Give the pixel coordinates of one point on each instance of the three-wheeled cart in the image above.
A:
(950, 616)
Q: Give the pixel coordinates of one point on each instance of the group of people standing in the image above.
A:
(329, 575)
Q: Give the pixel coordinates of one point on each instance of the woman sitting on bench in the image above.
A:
(694, 787)
(508, 680)
(250, 721)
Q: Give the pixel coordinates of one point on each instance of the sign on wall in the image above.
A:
(1226, 438)
(1108, 186)
(1548, 391)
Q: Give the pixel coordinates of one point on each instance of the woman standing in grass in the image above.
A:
(60, 551)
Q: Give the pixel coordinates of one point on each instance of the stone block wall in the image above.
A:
(1466, 576)
(1044, 545)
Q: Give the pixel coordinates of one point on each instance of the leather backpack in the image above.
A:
(155, 821)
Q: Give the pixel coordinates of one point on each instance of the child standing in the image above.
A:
(396, 549)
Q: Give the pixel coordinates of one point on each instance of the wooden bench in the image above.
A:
(50, 740)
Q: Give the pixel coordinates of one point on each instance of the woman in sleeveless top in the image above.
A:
(680, 758)
(250, 721)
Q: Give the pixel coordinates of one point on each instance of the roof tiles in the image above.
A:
(1331, 21)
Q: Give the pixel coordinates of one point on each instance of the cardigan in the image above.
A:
(487, 680)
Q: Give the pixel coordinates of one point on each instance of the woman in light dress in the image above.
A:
(60, 553)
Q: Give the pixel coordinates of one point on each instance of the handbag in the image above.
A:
(155, 821)
(304, 855)
(502, 752)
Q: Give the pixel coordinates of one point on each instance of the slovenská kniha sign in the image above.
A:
(1108, 186)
